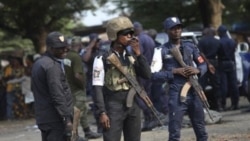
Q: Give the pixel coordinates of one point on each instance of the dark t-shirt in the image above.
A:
(73, 64)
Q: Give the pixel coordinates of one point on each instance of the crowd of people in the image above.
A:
(122, 81)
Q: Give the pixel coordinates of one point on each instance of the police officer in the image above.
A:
(158, 89)
(209, 47)
(76, 78)
(111, 96)
(227, 68)
(147, 49)
(53, 99)
(176, 76)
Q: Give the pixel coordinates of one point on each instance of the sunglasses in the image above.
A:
(126, 32)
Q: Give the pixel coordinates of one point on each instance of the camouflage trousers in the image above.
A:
(80, 102)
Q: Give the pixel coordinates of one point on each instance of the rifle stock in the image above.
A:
(76, 119)
(193, 80)
(136, 86)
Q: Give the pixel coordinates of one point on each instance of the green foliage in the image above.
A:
(33, 19)
(152, 13)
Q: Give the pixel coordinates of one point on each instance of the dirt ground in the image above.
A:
(235, 126)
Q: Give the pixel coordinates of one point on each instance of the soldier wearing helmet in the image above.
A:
(111, 92)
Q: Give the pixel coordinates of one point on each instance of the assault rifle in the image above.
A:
(193, 81)
(136, 88)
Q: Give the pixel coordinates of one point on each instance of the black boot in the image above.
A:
(219, 106)
(90, 134)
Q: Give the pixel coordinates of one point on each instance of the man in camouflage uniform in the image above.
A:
(115, 116)
(76, 79)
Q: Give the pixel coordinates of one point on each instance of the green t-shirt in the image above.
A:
(73, 64)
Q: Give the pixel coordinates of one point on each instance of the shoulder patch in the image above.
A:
(200, 59)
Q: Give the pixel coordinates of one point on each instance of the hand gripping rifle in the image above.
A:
(136, 88)
(193, 81)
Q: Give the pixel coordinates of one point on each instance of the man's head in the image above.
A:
(57, 44)
(138, 28)
(222, 30)
(76, 43)
(120, 30)
(173, 27)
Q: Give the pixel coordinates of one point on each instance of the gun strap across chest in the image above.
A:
(136, 88)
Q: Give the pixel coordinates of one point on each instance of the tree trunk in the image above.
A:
(39, 41)
(216, 15)
(205, 12)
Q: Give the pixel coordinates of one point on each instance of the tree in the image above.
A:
(33, 19)
(191, 12)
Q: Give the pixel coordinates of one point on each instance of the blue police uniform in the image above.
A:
(227, 68)
(193, 105)
(209, 46)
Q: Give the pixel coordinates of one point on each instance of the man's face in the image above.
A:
(60, 52)
(174, 33)
(125, 37)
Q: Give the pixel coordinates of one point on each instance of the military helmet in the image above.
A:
(117, 24)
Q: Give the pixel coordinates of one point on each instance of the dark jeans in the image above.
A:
(53, 131)
(228, 81)
(10, 98)
(122, 119)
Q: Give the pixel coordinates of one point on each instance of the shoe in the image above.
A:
(92, 135)
(81, 139)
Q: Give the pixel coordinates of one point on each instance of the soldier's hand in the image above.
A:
(104, 120)
(180, 71)
(134, 43)
(188, 71)
(211, 68)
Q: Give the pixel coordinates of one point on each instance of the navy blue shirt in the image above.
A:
(146, 46)
(209, 46)
(169, 63)
(227, 49)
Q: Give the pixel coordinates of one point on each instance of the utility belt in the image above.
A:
(116, 96)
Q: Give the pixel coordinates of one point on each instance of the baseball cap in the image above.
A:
(171, 22)
(56, 40)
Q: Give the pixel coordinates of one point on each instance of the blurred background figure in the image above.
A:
(77, 80)
(159, 95)
(90, 52)
(209, 46)
(147, 46)
(15, 100)
(227, 69)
